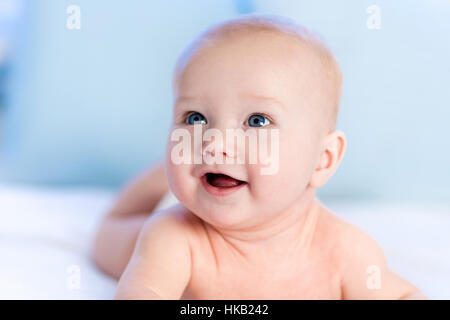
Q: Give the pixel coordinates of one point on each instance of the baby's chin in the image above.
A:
(232, 211)
(221, 215)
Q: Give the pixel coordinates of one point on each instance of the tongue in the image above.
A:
(223, 181)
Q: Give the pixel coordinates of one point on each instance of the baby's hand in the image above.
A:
(160, 267)
(365, 274)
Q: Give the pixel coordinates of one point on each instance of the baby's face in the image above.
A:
(264, 83)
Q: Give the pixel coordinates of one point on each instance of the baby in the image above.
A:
(239, 232)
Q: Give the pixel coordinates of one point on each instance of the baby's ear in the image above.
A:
(330, 158)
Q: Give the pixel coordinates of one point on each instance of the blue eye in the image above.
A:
(196, 118)
(257, 120)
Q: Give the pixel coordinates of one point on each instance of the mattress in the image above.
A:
(46, 236)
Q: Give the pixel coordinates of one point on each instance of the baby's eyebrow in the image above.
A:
(252, 97)
(262, 98)
(187, 100)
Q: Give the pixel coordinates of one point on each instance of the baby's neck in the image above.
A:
(294, 227)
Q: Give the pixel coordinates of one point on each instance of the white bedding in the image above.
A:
(45, 237)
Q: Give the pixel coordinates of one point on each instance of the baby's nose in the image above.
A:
(218, 148)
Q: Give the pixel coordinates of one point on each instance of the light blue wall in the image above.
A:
(93, 106)
(396, 100)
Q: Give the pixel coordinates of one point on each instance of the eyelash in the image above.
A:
(261, 114)
(188, 113)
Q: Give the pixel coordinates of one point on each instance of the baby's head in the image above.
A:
(254, 73)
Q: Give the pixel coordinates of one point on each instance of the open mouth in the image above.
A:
(219, 180)
(219, 184)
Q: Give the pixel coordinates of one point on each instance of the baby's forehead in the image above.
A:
(267, 44)
(272, 41)
(253, 55)
(251, 30)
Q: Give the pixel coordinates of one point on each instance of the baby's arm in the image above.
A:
(160, 266)
(365, 273)
(118, 230)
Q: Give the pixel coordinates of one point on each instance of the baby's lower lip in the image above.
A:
(220, 191)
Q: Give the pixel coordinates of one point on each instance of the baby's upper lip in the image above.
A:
(216, 171)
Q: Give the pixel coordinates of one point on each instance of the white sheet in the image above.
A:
(45, 238)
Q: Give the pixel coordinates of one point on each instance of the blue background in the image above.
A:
(92, 106)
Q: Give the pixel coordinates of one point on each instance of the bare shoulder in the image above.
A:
(349, 242)
(161, 262)
(175, 222)
(361, 263)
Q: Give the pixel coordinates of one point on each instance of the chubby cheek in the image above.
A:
(180, 180)
(295, 165)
